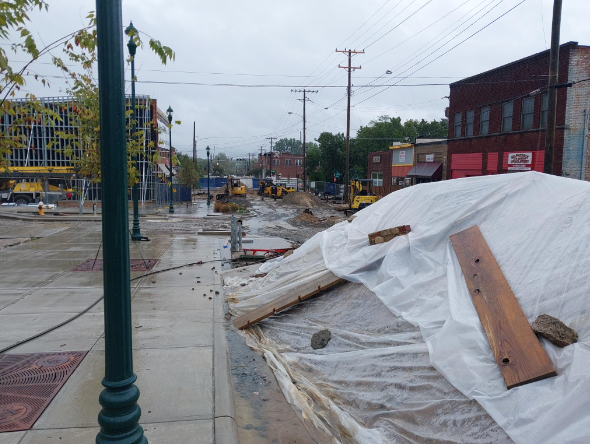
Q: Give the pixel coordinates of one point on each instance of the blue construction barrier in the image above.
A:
(214, 182)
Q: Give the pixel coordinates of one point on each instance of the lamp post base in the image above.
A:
(171, 208)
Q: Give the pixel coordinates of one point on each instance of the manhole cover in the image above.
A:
(29, 382)
(97, 265)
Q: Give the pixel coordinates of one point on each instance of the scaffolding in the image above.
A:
(44, 149)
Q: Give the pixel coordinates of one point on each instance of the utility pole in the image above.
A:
(194, 142)
(305, 99)
(270, 166)
(552, 92)
(263, 162)
(349, 68)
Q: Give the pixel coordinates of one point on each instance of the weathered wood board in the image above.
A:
(295, 296)
(386, 235)
(519, 354)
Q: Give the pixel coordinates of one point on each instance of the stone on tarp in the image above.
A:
(386, 235)
(554, 330)
(321, 339)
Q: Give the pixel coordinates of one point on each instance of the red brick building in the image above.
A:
(497, 118)
(283, 165)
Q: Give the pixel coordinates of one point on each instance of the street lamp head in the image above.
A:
(169, 111)
(290, 112)
(131, 32)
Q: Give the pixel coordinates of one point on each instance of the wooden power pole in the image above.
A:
(270, 160)
(305, 99)
(349, 68)
(552, 92)
(194, 142)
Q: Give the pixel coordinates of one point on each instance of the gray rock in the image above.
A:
(554, 330)
(321, 339)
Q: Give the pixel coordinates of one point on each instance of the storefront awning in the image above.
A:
(163, 169)
(427, 169)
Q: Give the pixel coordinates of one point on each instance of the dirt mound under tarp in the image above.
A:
(302, 200)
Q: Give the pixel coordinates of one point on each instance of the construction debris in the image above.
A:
(386, 235)
(293, 297)
(554, 330)
(321, 339)
(520, 356)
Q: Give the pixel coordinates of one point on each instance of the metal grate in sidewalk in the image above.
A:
(29, 382)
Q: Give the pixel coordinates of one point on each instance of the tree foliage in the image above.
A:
(188, 173)
(292, 146)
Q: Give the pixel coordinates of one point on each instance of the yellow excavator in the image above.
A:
(361, 195)
(233, 187)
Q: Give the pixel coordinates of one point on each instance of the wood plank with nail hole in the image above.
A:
(295, 296)
(518, 353)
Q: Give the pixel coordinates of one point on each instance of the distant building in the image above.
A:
(39, 152)
(497, 119)
(281, 165)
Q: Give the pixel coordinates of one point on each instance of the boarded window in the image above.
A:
(469, 123)
(377, 179)
(544, 108)
(457, 132)
(528, 106)
(484, 122)
(507, 117)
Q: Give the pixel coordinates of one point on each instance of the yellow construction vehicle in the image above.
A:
(360, 195)
(233, 187)
(21, 191)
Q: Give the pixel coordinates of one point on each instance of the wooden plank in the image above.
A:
(519, 354)
(295, 296)
(386, 235)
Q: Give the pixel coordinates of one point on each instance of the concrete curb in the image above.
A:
(224, 412)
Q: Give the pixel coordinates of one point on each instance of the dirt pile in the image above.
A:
(308, 219)
(303, 200)
(240, 201)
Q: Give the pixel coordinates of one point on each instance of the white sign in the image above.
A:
(402, 156)
(430, 158)
(520, 161)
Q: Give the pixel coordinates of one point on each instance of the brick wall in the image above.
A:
(284, 164)
(440, 154)
(576, 116)
(492, 89)
(384, 166)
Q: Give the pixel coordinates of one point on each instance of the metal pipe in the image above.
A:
(584, 146)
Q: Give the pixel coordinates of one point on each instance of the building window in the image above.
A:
(298, 162)
(376, 159)
(287, 162)
(484, 120)
(377, 179)
(507, 117)
(276, 162)
(544, 108)
(457, 125)
(469, 123)
(528, 106)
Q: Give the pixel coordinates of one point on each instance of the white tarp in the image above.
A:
(538, 228)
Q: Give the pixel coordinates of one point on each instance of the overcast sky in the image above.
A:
(292, 43)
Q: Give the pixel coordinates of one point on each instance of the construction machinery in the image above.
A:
(233, 187)
(361, 195)
(24, 185)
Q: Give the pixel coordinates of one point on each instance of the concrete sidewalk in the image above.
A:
(180, 353)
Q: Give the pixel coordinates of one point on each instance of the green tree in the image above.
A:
(292, 146)
(188, 174)
(313, 161)
(333, 152)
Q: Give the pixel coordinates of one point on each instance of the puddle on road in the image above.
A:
(262, 412)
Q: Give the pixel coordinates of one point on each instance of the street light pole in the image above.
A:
(135, 231)
(120, 412)
(171, 206)
(208, 178)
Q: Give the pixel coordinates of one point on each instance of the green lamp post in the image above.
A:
(208, 178)
(120, 412)
(132, 46)
(171, 207)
